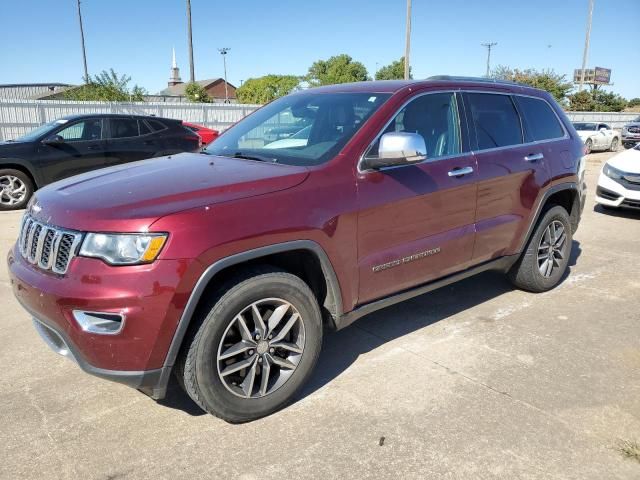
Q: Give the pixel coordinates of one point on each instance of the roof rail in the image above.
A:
(473, 79)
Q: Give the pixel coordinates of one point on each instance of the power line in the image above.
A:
(489, 47)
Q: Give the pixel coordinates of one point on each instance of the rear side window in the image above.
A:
(156, 125)
(540, 121)
(496, 120)
(144, 128)
(124, 127)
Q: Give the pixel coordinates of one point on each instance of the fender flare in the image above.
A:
(570, 186)
(333, 287)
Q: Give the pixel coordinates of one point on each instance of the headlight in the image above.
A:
(611, 172)
(123, 249)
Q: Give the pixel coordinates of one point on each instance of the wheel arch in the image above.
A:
(278, 255)
(16, 164)
(565, 195)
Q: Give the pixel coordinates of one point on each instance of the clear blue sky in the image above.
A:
(40, 39)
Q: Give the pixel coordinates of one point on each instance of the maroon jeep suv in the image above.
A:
(223, 267)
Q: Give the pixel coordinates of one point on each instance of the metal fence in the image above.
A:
(613, 119)
(18, 117)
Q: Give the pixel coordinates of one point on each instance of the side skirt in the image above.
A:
(501, 264)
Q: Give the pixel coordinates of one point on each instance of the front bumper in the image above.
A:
(149, 295)
(613, 194)
(630, 139)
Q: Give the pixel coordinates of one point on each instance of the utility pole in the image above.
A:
(84, 53)
(407, 44)
(586, 45)
(489, 47)
(223, 52)
(192, 73)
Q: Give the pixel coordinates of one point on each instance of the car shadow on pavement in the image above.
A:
(617, 212)
(341, 349)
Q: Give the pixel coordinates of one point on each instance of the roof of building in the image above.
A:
(178, 90)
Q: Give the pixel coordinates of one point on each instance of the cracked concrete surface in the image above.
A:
(475, 380)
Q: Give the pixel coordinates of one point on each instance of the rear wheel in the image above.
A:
(546, 257)
(614, 145)
(16, 189)
(256, 346)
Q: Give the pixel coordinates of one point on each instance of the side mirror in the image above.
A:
(603, 130)
(397, 148)
(53, 140)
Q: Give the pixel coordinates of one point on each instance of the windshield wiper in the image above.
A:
(253, 157)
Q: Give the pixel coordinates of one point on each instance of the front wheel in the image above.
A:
(546, 257)
(255, 348)
(16, 189)
(588, 145)
(614, 145)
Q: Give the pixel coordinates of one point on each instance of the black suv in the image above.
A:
(80, 143)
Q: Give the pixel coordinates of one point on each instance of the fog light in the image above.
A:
(101, 323)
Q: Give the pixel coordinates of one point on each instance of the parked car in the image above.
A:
(207, 135)
(619, 181)
(631, 133)
(298, 139)
(80, 143)
(223, 267)
(284, 131)
(597, 136)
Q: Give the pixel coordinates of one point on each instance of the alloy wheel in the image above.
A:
(261, 348)
(551, 250)
(12, 190)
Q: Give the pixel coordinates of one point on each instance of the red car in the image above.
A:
(207, 135)
(223, 268)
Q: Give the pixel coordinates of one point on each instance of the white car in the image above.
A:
(619, 182)
(597, 136)
(298, 139)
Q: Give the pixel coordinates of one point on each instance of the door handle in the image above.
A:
(534, 157)
(460, 172)
(93, 147)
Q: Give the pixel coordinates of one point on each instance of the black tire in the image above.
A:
(526, 274)
(28, 186)
(614, 145)
(198, 363)
(588, 146)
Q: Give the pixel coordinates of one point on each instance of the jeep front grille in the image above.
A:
(48, 247)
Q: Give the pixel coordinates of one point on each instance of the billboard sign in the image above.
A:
(602, 75)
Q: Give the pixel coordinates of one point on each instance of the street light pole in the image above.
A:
(586, 45)
(223, 52)
(407, 43)
(489, 47)
(192, 72)
(84, 53)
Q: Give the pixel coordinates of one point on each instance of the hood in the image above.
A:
(627, 161)
(11, 149)
(131, 197)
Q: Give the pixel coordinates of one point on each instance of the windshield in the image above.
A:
(40, 131)
(301, 129)
(584, 126)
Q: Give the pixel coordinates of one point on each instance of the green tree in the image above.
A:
(554, 83)
(596, 101)
(634, 102)
(393, 71)
(337, 69)
(196, 93)
(265, 89)
(107, 86)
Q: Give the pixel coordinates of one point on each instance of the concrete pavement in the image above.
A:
(473, 381)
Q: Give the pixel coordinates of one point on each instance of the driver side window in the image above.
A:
(85, 130)
(435, 117)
